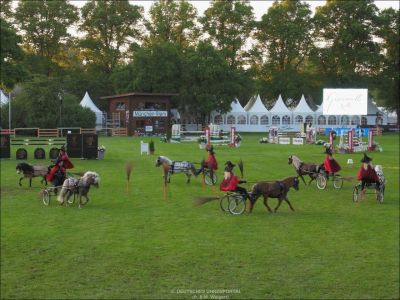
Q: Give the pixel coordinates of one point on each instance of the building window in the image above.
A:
(218, 120)
(321, 120)
(309, 119)
(241, 119)
(276, 120)
(364, 121)
(285, 120)
(298, 119)
(344, 120)
(264, 120)
(355, 120)
(254, 120)
(120, 106)
(332, 120)
(230, 120)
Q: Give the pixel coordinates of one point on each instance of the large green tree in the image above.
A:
(43, 104)
(173, 21)
(346, 54)
(11, 55)
(44, 26)
(283, 42)
(387, 80)
(228, 25)
(109, 27)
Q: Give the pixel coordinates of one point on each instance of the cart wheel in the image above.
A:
(224, 203)
(46, 197)
(207, 178)
(237, 204)
(321, 181)
(337, 181)
(356, 193)
(380, 194)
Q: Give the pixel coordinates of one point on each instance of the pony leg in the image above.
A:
(30, 181)
(302, 178)
(266, 204)
(312, 178)
(188, 178)
(279, 204)
(19, 182)
(288, 202)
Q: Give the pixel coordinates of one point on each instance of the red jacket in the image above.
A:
(229, 184)
(63, 157)
(53, 170)
(211, 162)
(368, 174)
(331, 165)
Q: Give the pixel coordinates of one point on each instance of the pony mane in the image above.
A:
(296, 161)
(25, 167)
(165, 158)
(94, 175)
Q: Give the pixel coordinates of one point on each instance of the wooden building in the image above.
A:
(142, 112)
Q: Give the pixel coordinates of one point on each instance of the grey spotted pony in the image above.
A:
(173, 167)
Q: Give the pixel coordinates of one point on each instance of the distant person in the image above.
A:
(210, 162)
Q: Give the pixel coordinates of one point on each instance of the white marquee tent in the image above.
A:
(302, 113)
(3, 98)
(87, 102)
(257, 113)
(280, 114)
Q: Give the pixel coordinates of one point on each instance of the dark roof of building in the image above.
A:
(138, 94)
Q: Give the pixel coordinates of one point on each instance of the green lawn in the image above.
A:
(139, 245)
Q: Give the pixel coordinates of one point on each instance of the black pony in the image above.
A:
(30, 171)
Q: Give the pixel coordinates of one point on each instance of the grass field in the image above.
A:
(139, 245)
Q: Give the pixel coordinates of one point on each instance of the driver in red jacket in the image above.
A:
(231, 182)
(210, 162)
(367, 174)
(62, 163)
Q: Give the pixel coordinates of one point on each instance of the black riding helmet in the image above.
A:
(229, 166)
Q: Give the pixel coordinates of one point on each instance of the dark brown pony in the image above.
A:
(273, 189)
(30, 171)
(303, 168)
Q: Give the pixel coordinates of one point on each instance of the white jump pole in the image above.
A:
(232, 137)
(370, 140)
(350, 139)
(207, 134)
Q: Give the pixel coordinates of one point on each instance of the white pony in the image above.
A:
(79, 187)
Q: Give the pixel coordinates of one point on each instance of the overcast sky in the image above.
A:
(259, 7)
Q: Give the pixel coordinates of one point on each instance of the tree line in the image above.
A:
(207, 59)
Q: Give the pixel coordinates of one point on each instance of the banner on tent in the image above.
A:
(150, 113)
(339, 131)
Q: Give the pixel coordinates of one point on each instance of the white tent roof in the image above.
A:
(302, 107)
(258, 106)
(250, 103)
(3, 98)
(87, 102)
(280, 107)
(319, 109)
(236, 107)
